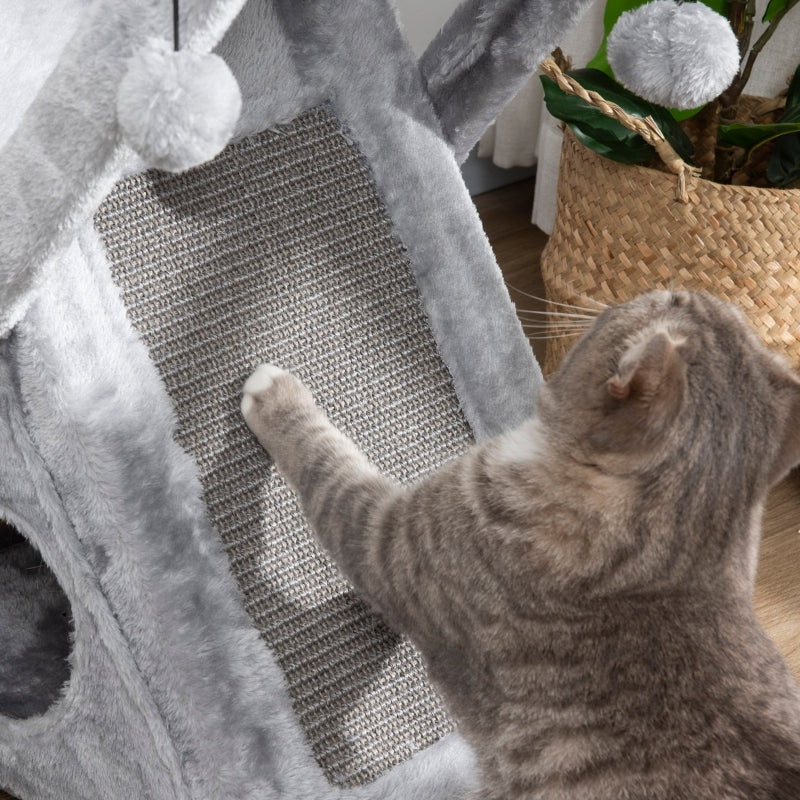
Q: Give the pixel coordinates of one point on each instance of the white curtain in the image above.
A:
(511, 140)
(525, 134)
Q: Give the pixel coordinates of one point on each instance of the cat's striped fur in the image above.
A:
(581, 587)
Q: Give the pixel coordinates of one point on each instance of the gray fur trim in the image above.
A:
(484, 54)
(171, 694)
(394, 126)
(141, 537)
(78, 746)
(67, 152)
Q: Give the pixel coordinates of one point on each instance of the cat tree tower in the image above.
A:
(168, 629)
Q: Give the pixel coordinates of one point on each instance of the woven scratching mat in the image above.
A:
(620, 232)
(279, 250)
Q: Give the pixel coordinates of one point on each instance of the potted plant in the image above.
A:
(735, 226)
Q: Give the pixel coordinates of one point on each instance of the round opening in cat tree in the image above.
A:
(35, 629)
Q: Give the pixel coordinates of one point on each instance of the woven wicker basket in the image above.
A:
(621, 231)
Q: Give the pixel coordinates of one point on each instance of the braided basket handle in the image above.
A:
(646, 127)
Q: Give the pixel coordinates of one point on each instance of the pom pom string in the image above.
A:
(176, 34)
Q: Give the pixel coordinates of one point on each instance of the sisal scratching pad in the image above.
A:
(279, 250)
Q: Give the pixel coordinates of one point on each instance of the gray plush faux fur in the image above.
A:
(96, 738)
(484, 54)
(154, 599)
(393, 122)
(67, 153)
(171, 692)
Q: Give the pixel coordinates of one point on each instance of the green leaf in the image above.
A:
(604, 134)
(600, 60)
(720, 6)
(740, 134)
(598, 132)
(625, 151)
(784, 162)
(793, 94)
(774, 7)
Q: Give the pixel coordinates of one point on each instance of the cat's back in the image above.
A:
(615, 653)
(645, 698)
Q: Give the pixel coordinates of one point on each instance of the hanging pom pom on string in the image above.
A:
(678, 55)
(176, 108)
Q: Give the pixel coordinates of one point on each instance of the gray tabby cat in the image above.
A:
(581, 587)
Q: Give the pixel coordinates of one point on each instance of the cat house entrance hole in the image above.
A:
(35, 628)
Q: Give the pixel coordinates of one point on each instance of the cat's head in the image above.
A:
(671, 376)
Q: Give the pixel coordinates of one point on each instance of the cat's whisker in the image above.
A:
(555, 324)
(543, 326)
(546, 338)
(595, 311)
(556, 320)
(553, 335)
(556, 314)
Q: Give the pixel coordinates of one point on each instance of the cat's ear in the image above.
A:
(651, 379)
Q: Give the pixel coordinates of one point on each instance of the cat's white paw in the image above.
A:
(259, 382)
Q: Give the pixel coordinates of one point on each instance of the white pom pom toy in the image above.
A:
(177, 108)
(679, 55)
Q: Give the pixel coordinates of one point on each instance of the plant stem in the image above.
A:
(730, 96)
(715, 161)
(741, 15)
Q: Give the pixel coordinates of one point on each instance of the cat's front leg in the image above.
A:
(398, 546)
(279, 409)
(313, 456)
(340, 490)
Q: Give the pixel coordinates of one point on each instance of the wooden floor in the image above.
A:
(518, 245)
